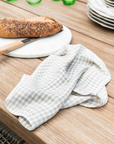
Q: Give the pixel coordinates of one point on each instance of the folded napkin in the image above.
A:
(72, 76)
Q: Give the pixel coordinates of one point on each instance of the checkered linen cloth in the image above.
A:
(73, 75)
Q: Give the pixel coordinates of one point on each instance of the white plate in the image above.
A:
(100, 16)
(109, 4)
(41, 47)
(101, 8)
(99, 22)
(110, 1)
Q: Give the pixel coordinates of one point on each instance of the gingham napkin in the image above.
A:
(73, 75)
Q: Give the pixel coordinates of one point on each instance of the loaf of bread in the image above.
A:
(32, 27)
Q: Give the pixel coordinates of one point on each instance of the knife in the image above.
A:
(17, 44)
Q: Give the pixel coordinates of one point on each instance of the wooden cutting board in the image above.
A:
(41, 47)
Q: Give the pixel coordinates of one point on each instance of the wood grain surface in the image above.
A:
(84, 1)
(103, 50)
(76, 125)
(74, 17)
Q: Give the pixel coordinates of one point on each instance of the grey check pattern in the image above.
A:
(72, 76)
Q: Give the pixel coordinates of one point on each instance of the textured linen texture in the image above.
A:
(72, 76)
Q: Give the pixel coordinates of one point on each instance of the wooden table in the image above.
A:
(76, 125)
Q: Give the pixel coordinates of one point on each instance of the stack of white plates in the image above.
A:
(99, 12)
(110, 3)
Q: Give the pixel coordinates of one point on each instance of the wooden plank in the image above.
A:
(12, 69)
(87, 123)
(104, 51)
(12, 122)
(7, 10)
(9, 68)
(74, 17)
(84, 1)
(70, 126)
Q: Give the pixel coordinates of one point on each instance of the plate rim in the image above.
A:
(99, 11)
(97, 14)
(38, 55)
(99, 22)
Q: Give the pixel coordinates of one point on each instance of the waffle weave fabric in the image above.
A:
(72, 76)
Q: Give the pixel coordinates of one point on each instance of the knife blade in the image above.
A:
(28, 40)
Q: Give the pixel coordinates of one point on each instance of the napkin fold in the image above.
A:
(72, 76)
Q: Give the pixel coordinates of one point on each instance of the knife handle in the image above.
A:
(7, 48)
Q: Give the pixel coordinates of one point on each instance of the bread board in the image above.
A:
(41, 47)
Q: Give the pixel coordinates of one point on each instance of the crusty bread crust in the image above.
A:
(33, 27)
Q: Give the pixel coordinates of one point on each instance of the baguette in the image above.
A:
(32, 27)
